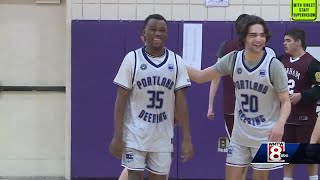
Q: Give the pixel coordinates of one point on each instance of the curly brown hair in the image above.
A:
(246, 23)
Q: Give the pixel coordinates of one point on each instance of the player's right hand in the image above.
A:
(116, 147)
(186, 150)
(210, 113)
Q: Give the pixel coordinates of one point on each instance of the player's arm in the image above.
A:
(285, 107)
(183, 118)
(182, 113)
(181, 108)
(313, 73)
(202, 76)
(119, 111)
(223, 67)
(279, 79)
(215, 82)
(124, 81)
(212, 94)
(315, 137)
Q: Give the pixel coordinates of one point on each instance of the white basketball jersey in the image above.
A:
(149, 119)
(257, 104)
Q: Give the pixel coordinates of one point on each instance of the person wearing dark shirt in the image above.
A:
(303, 72)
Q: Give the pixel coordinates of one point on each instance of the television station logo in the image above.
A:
(276, 152)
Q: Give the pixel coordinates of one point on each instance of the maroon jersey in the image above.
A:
(228, 86)
(299, 80)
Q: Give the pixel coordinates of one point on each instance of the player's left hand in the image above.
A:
(276, 133)
(116, 147)
(295, 98)
(186, 150)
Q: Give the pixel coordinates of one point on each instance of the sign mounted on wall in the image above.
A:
(304, 10)
(219, 3)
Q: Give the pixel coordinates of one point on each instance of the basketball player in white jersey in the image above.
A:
(262, 99)
(151, 81)
(228, 85)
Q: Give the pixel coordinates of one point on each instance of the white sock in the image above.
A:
(315, 177)
(287, 178)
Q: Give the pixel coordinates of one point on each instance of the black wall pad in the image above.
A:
(34, 88)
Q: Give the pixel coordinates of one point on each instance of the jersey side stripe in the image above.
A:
(135, 64)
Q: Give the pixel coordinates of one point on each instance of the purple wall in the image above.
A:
(98, 48)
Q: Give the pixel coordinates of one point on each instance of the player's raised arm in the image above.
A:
(202, 76)
(221, 68)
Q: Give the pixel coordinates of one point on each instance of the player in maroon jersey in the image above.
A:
(229, 100)
(304, 88)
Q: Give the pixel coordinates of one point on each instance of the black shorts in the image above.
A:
(297, 133)
(228, 118)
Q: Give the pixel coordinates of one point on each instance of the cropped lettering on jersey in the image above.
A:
(293, 72)
(254, 121)
(152, 118)
(155, 80)
(246, 84)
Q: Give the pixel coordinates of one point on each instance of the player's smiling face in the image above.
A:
(155, 34)
(256, 38)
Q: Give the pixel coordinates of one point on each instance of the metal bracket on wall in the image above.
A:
(34, 88)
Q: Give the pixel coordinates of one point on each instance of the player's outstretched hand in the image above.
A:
(210, 113)
(116, 147)
(186, 150)
(276, 133)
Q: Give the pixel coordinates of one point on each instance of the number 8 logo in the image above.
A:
(275, 153)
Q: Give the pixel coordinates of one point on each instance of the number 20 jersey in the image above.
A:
(257, 105)
(149, 118)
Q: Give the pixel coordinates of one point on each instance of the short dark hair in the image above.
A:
(238, 22)
(153, 16)
(297, 34)
(249, 21)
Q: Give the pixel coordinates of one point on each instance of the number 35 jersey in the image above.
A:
(152, 82)
(257, 107)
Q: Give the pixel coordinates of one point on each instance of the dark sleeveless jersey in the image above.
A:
(228, 85)
(299, 80)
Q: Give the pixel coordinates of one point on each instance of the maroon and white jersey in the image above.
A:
(299, 79)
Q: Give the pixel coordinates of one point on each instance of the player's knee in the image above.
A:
(288, 169)
(124, 174)
(233, 173)
(135, 175)
(260, 175)
(153, 176)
